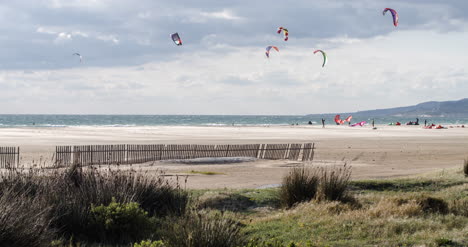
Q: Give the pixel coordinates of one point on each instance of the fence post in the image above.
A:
(18, 158)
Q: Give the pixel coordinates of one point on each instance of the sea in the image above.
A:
(44, 121)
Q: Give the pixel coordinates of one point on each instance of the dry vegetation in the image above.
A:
(316, 206)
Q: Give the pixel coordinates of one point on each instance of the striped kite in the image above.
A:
(267, 53)
(285, 33)
(394, 14)
(324, 57)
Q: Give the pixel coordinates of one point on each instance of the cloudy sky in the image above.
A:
(131, 66)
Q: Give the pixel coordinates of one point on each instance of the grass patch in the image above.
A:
(245, 201)
(89, 207)
(205, 172)
(203, 229)
(427, 211)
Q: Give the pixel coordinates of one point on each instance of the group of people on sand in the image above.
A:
(426, 125)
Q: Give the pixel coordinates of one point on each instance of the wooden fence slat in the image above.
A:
(131, 153)
(9, 157)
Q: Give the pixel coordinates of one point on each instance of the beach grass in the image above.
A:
(429, 209)
(389, 213)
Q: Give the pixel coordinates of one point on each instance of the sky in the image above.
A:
(131, 66)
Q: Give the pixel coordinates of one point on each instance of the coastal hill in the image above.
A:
(457, 108)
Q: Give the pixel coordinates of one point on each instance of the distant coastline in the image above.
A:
(46, 121)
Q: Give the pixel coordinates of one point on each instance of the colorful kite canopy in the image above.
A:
(267, 53)
(285, 33)
(339, 121)
(176, 38)
(359, 124)
(78, 54)
(394, 14)
(324, 57)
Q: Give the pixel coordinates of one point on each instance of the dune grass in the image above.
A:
(389, 213)
(430, 209)
(87, 207)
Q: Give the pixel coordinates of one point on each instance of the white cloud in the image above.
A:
(224, 14)
(221, 68)
(371, 73)
(61, 36)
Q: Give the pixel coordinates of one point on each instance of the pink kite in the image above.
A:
(339, 121)
(358, 124)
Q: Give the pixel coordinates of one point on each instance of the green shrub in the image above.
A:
(273, 243)
(203, 229)
(120, 223)
(334, 183)
(70, 193)
(149, 243)
(78, 189)
(298, 186)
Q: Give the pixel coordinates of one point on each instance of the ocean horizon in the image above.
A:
(59, 120)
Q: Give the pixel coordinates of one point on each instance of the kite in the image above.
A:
(358, 124)
(324, 57)
(267, 53)
(339, 121)
(176, 38)
(285, 33)
(394, 14)
(78, 54)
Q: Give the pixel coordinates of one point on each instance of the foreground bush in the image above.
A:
(149, 243)
(334, 183)
(70, 194)
(79, 189)
(203, 229)
(299, 185)
(320, 183)
(23, 221)
(120, 223)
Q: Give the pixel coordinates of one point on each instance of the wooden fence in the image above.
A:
(133, 154)
(9, 157)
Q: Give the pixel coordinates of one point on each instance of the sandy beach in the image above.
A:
(386, 152)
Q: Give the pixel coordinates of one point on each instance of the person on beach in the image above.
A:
(323, 123)
(372, 123)
(310, 122)
(425, 122)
